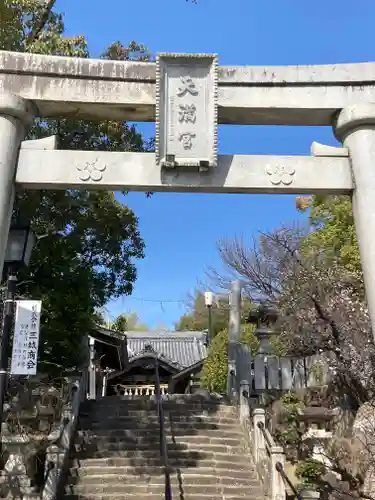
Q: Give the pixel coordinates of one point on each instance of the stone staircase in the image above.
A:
(117, 451)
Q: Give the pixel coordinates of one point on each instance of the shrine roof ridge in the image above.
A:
(183, 348)
(166, 334)
(133, 71)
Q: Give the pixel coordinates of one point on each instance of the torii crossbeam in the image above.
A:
(187, 96)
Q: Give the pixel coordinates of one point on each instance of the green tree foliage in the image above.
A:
(197, 317)
(120, 324)
(135, 325)
(32, 26)
(331, 218)
(92, 240)
(123, 322)
(215, 369)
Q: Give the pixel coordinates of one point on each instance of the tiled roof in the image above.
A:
(182, 348)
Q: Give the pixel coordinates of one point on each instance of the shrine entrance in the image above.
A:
(139, 379)
(188, 96)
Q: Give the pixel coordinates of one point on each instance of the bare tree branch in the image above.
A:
(321, 306)
(38, 28)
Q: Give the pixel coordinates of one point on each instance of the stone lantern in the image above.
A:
(264, 318)
(317, 423)
(265, 368)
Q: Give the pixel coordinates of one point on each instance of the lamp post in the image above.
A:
(18, 252)
(208, 299)
(92, 370)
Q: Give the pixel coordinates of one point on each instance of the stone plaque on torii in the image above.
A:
(186, 111)
(188, 95)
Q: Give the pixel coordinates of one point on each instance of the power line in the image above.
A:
(175, 301)
(217, 299)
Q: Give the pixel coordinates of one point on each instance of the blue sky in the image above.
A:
(181, 230)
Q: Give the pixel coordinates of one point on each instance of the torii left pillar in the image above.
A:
(16, 116)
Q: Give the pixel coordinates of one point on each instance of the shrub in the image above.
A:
(249, 339)
(287, 432)
(291, 436)
(215, 369)
(309, 472)
(291, 404)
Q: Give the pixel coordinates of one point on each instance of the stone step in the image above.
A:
(153, 440)
(176, 432)
(147, 489)
(198, 454)
(115, 449)
(145, 440)
(151, 401)
(176, 425)
(148, 402)
(132, 474)
(180, 418)
(154, 413)
(182, 434)
(152, 447)
(93, 450)
(117, 453)
(177, 399)
(154, 409)
(133, 423)
(197, 478)
(160, 496)
(146, 415)
(142, 463)
(122, 424)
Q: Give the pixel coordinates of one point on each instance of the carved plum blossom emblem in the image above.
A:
(280, 174)
(91, 171)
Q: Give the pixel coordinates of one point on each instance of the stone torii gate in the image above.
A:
(187, 96)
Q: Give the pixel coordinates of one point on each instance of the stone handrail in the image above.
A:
(303, 494)
(266, 453)
(280, 469)
(58, 454)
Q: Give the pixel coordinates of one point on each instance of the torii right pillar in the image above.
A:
(355, 127)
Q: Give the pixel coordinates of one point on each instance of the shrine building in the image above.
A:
(125, 363)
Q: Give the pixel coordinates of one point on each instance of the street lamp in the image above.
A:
(18, 252)
(208, 300)
(21, 241)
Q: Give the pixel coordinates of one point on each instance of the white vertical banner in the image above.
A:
(26, 337)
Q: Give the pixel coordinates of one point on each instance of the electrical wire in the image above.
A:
(172, 301)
